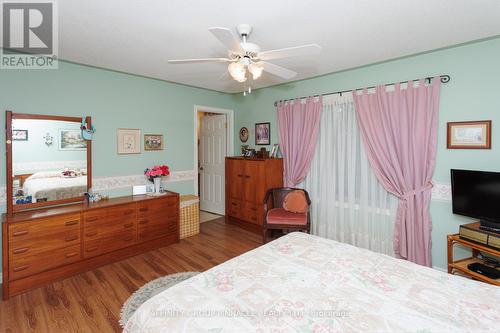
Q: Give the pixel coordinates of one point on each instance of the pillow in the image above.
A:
(45, 174)
(295, 202)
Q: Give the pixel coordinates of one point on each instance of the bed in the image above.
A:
(304, 283)
(53, 186)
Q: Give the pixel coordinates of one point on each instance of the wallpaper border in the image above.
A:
(440, 191)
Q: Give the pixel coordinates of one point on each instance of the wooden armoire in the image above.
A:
(247, 181)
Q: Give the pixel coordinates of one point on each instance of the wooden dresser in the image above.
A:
(247, 181)
(49, 244)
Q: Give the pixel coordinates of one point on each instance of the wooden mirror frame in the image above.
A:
(9, 116)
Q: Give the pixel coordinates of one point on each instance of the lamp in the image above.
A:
(238, 71)
(256, 70)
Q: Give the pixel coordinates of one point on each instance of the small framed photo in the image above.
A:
(263, 133)
(469, 135)
(71, 139)
(153, 142)
(19, 135)
(128, 141)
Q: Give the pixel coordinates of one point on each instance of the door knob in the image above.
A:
(201, 168)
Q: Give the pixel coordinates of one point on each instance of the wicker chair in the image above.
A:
(278, 218)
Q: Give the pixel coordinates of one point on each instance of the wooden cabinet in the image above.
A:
(247, 181)
(45, 245)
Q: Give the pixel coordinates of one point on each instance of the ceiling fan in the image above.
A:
(246, 60)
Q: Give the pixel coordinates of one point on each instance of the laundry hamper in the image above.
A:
(190, 216)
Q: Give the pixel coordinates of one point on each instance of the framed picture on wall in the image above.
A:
(469, 135)
(71, 139)
(19, 135)
(128, 141)
(263, 133)
(153, 142)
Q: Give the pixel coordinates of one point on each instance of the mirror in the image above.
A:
(49, 161)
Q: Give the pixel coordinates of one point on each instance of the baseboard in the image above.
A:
(440, 269)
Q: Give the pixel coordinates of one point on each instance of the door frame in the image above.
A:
(229, 135)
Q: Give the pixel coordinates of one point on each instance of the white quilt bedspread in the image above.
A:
(304, 283)
(55, 188)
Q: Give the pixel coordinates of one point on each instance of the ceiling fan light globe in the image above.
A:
(237, 71)
(256, 71)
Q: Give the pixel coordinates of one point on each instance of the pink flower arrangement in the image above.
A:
(157, 171)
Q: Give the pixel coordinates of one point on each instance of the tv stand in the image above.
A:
(489, 226)
(461, 264)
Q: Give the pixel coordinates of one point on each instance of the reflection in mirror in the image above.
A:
(49, 160)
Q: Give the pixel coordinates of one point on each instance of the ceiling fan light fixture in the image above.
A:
(256, 70)
(237, 71)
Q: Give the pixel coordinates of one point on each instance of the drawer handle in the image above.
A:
(128, 212)
(143, 209)
(234, 204)
(247, 176)
(71, 223)
(21, 268)
(92, 249)
(20, 233)
(71, 254)
(143, 222)
(128, 225)
(90, 234)
(92, 219)
(254, 209)
(128, 238)
(253, 218)
(240, 175)
(71, 238)
(21, 250)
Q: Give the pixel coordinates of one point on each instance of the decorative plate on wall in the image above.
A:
(244, 134)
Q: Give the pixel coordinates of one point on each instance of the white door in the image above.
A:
(212, 151)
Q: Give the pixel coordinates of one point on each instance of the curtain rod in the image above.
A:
(445, 78)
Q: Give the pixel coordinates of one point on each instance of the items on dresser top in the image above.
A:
(45, 245)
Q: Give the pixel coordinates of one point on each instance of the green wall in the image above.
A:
(472, 94)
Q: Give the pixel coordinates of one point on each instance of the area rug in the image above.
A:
(149, 290)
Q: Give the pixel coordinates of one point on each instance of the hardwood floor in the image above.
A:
(91, 301)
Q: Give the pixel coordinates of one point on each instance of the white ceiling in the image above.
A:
(140, 36)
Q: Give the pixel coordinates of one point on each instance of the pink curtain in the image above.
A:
(399, 131)
(298, 126)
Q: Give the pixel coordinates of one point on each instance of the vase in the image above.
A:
(157, 182)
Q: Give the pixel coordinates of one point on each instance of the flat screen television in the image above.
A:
(477, 194)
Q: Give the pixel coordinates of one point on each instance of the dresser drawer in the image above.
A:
(106, 228)
(116, 241)
(234, 208)
(253, 213)
(26, 266)
(94, 216)
(122, 212)
(45, 234)
(168, 206)
(151, 228)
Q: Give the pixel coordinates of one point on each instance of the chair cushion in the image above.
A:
(282, 216)
(295, 202)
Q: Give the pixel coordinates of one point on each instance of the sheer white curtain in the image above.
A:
(348, 203)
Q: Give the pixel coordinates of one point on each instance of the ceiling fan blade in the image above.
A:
(295, 51)
(225, 76)
(277, 70)
(227, 37)
(191, 61)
